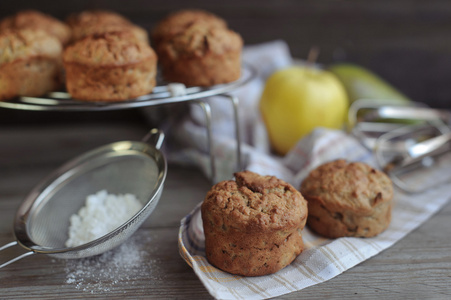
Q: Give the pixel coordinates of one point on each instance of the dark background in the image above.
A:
(408, 43)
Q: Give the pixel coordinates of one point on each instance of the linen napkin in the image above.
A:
(322, 258)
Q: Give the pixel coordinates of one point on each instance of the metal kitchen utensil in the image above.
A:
(42, 221)
(369, 119)
(411, 141)
(422, 163)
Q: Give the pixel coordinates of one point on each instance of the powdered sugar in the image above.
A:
(101, 214)
(114, 269)
(119, 267)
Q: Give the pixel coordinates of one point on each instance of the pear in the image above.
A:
(361, 83)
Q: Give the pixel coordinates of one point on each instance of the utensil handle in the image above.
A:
(155, 137)
(15, 258)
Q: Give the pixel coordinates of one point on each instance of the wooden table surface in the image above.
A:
(148, 265)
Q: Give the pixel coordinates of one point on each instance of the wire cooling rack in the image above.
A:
(166, 93)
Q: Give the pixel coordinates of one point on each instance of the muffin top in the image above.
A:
(93, 29)
(178, 21)
(340, 185)
(90, 17)
(31, 19)
(108, 49)
(255, 202)
(96, 22)
(199, 39)
(26, 43)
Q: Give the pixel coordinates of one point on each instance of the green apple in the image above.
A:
(297, 99)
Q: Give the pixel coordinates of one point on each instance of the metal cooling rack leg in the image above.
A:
(235, 102)
(207, 111)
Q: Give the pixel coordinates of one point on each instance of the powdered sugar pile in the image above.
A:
(101, 214)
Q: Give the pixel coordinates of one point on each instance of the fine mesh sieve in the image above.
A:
(42, 221)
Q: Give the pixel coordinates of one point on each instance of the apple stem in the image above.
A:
(312, 55)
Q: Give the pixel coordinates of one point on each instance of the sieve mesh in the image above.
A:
(42, 222)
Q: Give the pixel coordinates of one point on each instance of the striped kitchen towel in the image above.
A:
(322, 258)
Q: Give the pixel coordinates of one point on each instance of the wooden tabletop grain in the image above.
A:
(148, 265)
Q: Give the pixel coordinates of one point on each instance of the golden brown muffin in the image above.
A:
(179, 21)
(201, 56)
(109, 67)
(30, 63)
(31, 19)
(253, 225)
(348, 199)
(94, 22)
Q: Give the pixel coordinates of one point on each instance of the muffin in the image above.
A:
(177, 22)
(30, 63)
(94, 22)
(201, 56)
(112, 66)
(253, 224)
(31, 19)
(348, 199)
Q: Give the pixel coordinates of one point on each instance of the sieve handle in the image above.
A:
(154, 136)
(15, 258)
